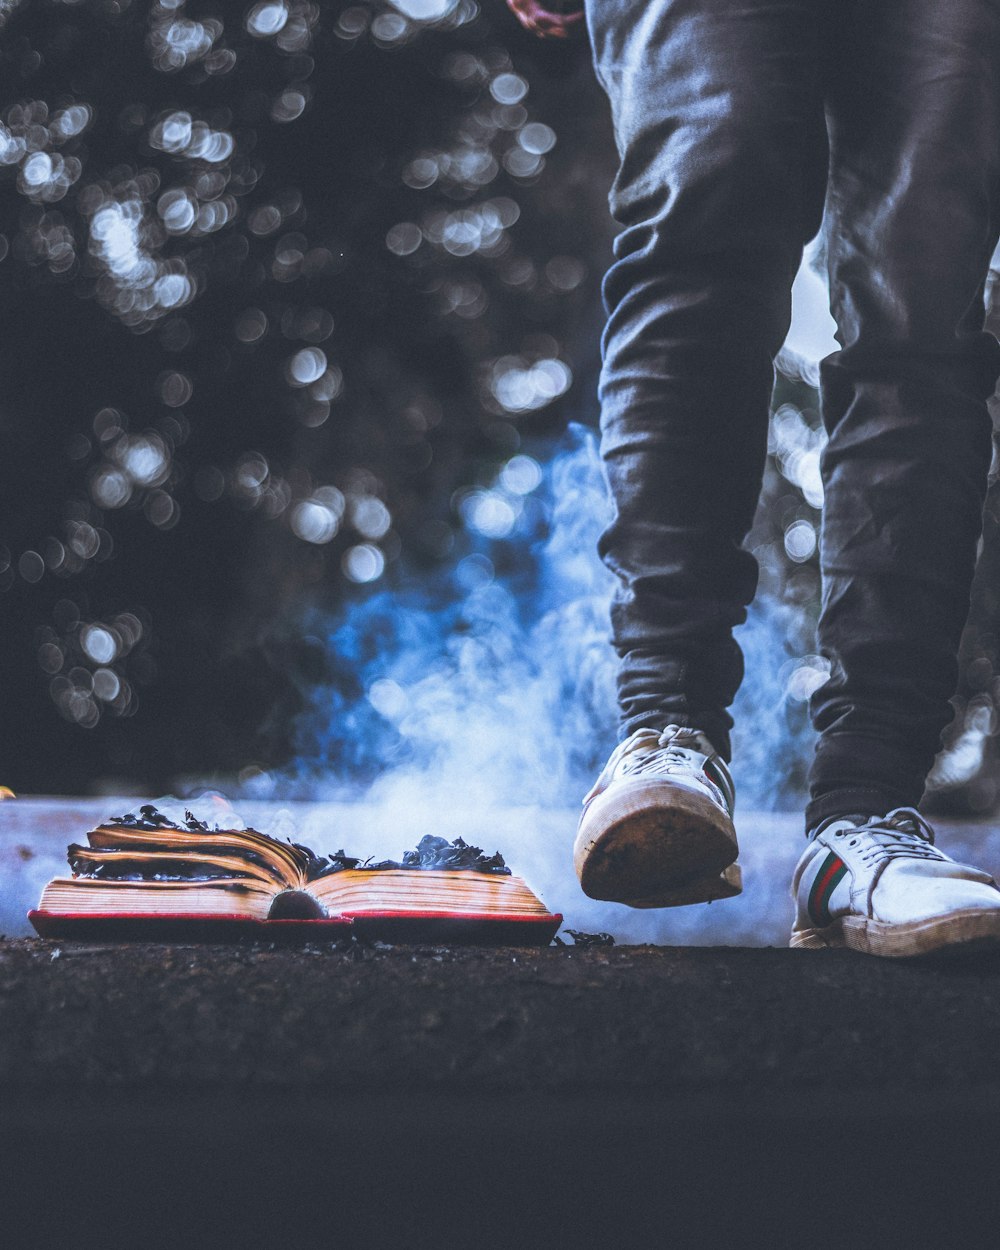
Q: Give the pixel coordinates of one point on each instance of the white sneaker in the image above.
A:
(881, 886)
(657, 827)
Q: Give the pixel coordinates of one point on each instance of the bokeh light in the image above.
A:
(363, 563)
(314, 522)
(518, 385)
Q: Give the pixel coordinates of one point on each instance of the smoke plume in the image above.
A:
(482, 704)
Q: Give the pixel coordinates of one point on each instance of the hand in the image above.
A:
(543, 22)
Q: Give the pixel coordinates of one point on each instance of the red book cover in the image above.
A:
(400, 927)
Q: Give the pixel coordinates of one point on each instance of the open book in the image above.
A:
(145, 877)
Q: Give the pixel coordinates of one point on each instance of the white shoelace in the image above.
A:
(667, 760)
(660, 753)
(901, 834)
(647, 751)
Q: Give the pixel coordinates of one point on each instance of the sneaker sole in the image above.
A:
(649, 841)
(727, 884)
(961, 931)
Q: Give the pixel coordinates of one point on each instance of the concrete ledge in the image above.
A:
(510, 1097)
(668, 1020)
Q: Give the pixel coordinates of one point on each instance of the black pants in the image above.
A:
(741, 124)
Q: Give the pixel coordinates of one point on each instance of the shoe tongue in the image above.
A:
(686, 738)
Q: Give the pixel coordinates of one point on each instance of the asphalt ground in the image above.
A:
(411, 1096)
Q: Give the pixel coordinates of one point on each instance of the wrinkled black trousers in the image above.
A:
(741, 125)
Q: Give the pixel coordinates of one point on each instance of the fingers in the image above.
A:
(557, 25)
(544, 23)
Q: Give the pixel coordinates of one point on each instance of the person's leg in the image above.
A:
(911, 222)
(717, 109)
(718, 117)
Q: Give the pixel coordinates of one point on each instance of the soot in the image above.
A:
(149, 818)
(430, 852)
(433, 852)
(325, 865)
(590, 939)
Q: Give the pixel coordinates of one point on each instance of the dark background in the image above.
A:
(416, 192)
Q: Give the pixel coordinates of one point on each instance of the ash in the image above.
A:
(433, 852)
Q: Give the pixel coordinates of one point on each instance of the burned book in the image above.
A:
(146, 877)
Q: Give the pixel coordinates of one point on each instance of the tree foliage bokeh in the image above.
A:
(283, 285)
(278, 281)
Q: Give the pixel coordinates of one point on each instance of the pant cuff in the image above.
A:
(713, 726)
(854, 801)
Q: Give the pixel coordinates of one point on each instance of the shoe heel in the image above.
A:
(816, 939)
(645, 839)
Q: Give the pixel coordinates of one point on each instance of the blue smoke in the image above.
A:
(495, 680)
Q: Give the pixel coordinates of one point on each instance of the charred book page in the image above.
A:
(146, 877)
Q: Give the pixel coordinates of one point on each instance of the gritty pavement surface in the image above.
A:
(511, 1097)
(661, 1021)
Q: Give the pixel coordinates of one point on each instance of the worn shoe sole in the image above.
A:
(726, 884)
(655, 844)
(960, 931)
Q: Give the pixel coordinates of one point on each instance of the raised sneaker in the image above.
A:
(878, 884)
(657, 827)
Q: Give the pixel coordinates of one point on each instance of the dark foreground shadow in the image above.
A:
(407, 1170)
